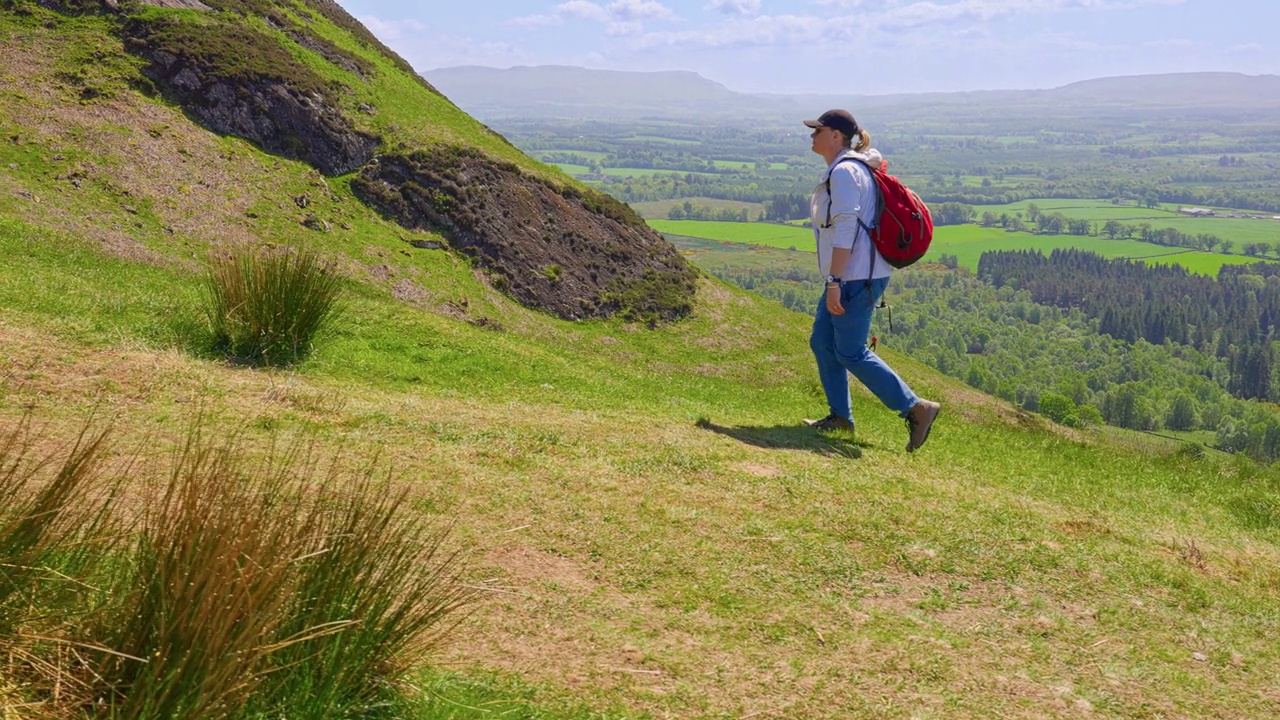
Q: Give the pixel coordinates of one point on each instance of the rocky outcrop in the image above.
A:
(182, 4)
(575, 253)
(277, 106)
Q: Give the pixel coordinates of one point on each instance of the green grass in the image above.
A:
(652, 531)
(228, 588)
(648, 172)
(746, 536)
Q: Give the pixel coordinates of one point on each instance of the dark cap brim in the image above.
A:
(814, 123)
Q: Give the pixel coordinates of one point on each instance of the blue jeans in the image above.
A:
(839, 343)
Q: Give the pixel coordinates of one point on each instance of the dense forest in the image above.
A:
(1233, 318)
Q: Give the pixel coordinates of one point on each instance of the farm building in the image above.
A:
(1196, 212)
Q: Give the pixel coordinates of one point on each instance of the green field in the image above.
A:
(657, 139)
(571, 169)
(741, 165)
(592, 154)
(658, 209)
(966, 242)
(770, 234)
(1238, 230)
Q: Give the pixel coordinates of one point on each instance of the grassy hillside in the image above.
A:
(652, 531)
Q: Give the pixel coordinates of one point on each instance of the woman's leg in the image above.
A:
(850, 333)
(832, 374)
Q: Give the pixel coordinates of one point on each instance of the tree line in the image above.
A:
(1234, 317)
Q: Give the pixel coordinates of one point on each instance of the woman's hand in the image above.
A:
(833, 300)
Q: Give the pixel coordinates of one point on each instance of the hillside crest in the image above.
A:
(302, 80)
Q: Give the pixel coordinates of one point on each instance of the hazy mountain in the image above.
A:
(568, 91)
(559, 90)
(1209, 89)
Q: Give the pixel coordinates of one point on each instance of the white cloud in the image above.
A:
(888, 22)
(622, 17)
(412, 41)
(1247, 49)
(582, 9)
(757, 31)
(734, 7)
(1177, 44)
(389, 31)
(623, 29)
(633, 10)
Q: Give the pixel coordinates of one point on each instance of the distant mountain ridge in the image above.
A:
(551, 90)
(559, 88)
(1224, 89)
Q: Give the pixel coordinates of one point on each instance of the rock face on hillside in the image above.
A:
(280, 111)
(574, 253)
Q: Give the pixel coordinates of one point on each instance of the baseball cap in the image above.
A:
(837, 119)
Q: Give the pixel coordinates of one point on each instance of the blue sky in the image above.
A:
(841, 46)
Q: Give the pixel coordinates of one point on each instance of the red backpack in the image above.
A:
(903, 228)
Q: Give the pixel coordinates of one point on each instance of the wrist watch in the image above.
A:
(834, 280)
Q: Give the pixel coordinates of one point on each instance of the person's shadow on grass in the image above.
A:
(795, 437)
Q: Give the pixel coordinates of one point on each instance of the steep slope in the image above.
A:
(653, 532)
(304, 81)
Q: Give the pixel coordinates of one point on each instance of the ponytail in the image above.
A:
(864, 141)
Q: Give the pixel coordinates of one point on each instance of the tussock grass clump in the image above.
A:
(46, 530)
(372, 590)
(267, 305)
(55, 525)
(247, 589)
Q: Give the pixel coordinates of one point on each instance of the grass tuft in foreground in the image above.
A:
(246, 590)
(267, 305)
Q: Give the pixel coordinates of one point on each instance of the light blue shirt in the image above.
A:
(852, 198)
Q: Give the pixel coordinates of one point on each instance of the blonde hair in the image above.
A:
(864, 140)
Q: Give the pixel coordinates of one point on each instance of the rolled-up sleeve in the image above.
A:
(846, 204)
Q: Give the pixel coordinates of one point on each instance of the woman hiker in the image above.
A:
(856, 275)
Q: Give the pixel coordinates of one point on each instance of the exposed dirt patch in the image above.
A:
(148, 157)
(757, 469)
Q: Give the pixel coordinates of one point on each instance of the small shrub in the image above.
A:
(1058, 407)
(653, 297)
(267, 306)
(1192, 450)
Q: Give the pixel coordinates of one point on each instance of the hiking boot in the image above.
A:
(919, 421)
(831, 422)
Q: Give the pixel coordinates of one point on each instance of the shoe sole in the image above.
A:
(818, 424)
(928, 428)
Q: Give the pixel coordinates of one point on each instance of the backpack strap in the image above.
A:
(871, 246)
